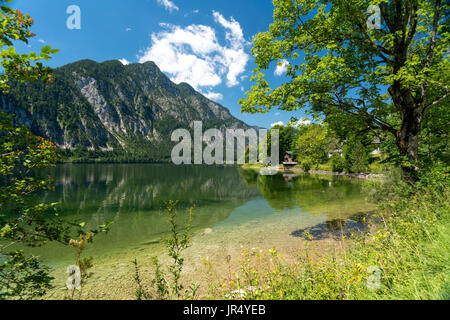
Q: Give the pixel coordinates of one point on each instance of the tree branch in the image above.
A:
(380, 124)
(385, 15)
(429, 58)
(435, 102)
(412, 25)
(363, 30)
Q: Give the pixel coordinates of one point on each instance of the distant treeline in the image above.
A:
(117, 156)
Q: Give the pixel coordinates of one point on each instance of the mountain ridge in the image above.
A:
(109, 106)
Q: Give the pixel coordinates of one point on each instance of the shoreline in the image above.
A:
(113, 274)
(367, 176)
(245, 167)
(342, 174)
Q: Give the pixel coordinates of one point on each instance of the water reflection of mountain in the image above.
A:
(146, 186)
(133, 196)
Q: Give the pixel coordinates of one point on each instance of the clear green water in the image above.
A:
(226, 198)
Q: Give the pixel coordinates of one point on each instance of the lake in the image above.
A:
(232, 205)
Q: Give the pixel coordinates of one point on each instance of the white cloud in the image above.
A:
(235, 57)
(124, 61)
(213, 96)
(41, 40)
(186, 54)
(235, 34)
(303, 122)
(128, 29)
(279, 123)
(281, 68)
(194, 55)
(168, 5)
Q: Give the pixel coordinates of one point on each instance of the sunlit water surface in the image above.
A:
(228, 201)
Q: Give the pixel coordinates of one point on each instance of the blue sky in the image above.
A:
(203, 42)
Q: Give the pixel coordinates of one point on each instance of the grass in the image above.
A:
(325, 167)
(404, 255)
(375, 167)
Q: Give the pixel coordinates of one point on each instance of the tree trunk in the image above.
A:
(407, 137)
(408, 141)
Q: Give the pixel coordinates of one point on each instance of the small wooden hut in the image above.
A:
(288, 163)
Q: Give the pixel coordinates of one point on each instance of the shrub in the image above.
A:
(337, 163)
(356, 155)
(376, 167)
(167, 285)
(306, 164)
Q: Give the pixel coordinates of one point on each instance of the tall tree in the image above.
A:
(388, 75)
(312, 144)
(23, 220)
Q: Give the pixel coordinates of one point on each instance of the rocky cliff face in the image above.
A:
(109, 106)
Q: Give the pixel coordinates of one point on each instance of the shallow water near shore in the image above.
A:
(234, 208)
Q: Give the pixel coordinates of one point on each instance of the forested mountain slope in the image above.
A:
(111, 107)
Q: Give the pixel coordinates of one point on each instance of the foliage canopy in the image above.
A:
(389, 78)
